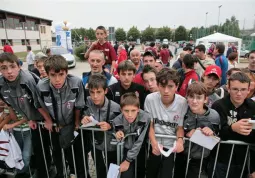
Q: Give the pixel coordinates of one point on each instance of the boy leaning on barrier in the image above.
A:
(135, 122)
(18, 90)
(235, 112)
(167, 110)
(63, 96)
(104, 111)
(199, 116)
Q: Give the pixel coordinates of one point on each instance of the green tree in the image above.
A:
(90, 34)
(231, 27)
(120, 34)
(180, 33)
(133, 34)
(163, 33)
(148, 34)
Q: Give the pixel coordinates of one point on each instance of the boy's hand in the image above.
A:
(124, 166)
(8, 126)
(179, 146)
(252, 175)
(207, 131)
(48, 125)
(94, 43)
(190, 133)
(85, 120)
(104, 126)
(155, 148)
(242, 127)
(32, 124)
(119, 135)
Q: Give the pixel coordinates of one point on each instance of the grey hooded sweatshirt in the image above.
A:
(209, 119)
(140, 126)
(100, 114)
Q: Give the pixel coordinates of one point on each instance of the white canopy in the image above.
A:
(219, 37)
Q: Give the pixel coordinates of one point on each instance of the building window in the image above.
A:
(9, 23)
(38, 41)
(10, 42)
(3, 42)
(43, 29)
(17, 24)
(1, 24)
(23, 42)
(28, 42)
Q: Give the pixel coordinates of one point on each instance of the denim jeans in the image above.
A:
(24, 140)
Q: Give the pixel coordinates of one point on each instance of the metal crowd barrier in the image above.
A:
(120, 152)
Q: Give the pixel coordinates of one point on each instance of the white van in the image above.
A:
(165, 41)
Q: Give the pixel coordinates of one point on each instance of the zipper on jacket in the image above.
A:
(61, 110)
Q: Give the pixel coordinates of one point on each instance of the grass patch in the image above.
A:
(23, 55)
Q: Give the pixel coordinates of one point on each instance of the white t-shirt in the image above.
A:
(166, 119)
(30, 58)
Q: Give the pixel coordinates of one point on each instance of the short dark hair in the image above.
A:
(221, 48)
(164, 46)
(232, 56)
(29, 48)
(189, 60)
(200, 47)
(129, 99)
(147, 69)
(152, 44)
(126, 66)
(252, 51)
(9, 57)
(97, 81)
(166, 75)
(239, 76)
(197, 88)
(230, 71)
(101, 28)
(56, 63)
(187, 48)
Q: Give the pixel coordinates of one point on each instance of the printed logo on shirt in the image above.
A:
(106, 49)
(7, 91)
(168, 124)
(117, 93)
(21, 100)
(137, 94)
(232, 118)
(176, 118)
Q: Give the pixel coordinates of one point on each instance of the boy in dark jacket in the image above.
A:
(104, 111)
(235, 112)
(132, 120)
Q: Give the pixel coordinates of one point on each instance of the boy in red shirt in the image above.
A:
(164, 54)
(106, 47)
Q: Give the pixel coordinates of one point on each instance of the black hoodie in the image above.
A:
(229, 115)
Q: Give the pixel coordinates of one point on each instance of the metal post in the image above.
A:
(25, 33)
(219, 18)
(215, 162)
(229, 163)
(64, 161)
(205, 22)
(38, 25)
(246, 155)
(43, 150)
(83, 153)
(5, 29)
(187, 167)
(74, 164)
(94, 149)
(105, 149)
(201, 163)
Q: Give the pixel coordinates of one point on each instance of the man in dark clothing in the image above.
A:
(235, 112)
(126, 71)
(116, 46)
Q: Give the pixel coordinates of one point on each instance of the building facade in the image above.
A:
(22, 30)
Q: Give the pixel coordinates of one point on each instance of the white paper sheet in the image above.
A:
(166, 153)
(205, 141)
(253, 123)
(113, 171)
(92, 123)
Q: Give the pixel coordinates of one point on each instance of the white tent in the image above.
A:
(220, 38)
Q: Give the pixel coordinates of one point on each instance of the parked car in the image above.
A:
(58, 50)
(244, 53)
(165, 41)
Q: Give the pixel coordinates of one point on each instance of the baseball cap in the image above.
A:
(149, 53)
(213, 69)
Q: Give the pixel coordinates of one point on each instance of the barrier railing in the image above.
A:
(120, 152)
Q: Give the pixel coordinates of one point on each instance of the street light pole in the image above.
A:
(219, 18)
(205, 21)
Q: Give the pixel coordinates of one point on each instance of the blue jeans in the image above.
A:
(24, 140)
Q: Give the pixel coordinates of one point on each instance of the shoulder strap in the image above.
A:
(54, 104)
(221, 61)
(201, 64)
(182, 77)
(108, 110)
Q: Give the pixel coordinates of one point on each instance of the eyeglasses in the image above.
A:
(236, 90)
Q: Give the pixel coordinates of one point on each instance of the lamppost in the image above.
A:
(174, 33)
(205, 21)
(190, 36)
(219, 18)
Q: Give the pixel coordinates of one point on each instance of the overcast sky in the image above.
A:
(141, 13)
